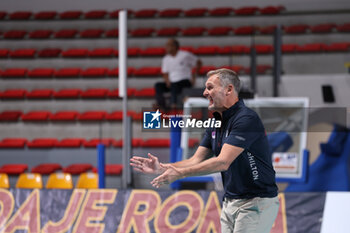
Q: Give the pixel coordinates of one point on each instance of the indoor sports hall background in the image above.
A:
(63, 134)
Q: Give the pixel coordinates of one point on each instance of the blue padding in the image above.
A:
(330, 172)
(279, 141)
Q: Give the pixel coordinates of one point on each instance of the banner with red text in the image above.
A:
(119, 211)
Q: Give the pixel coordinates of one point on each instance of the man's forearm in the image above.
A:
(208, 166)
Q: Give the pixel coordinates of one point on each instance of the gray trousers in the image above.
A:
(255, 215)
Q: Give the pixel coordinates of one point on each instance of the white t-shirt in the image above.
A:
(179, 67)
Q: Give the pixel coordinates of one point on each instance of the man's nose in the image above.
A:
(205, 93)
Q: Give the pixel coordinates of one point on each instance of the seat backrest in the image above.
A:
(29, 181)
(87, 180)
(59, 181)
(4, 181)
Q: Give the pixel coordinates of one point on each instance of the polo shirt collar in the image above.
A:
(229, 112)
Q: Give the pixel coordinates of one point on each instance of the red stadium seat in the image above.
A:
(194, 31)
(15, 73)
(268, 29)
(168, 31)
(249, 10)
(192, 142)
(145, 13)
(94, 93)
(67, 94)
(93, 116)
(70, 143)
(95, 72)
(145, 92)
(245, 30)
(115, 72)
(40, 94)
(261, 69)
(132, 52)
(40, 34)
(46, 168)
(20, 15)
(338, 47)
(45, 15)
(14, 94)
(221, 11)
(147, 71)
(170, 13)
(271, 10)
(118, 115)
(102, 52)
(112, 33)
(70, 15)
(4, 53)
(13, 143)
(323, 28)
(95, 141)
(15, 34)
(36, 116)
(263, 49)
(42, 143)
(196, 12)
(207, 50)
(156, 142)
(67, 72)
(23, 53)
(289, 48)
(135, 142)
(115, 93)
(91, 33)
(111, 169)
(95, 14)
(142, 32)
(75, 53)
(225, 50)
(115, 14)
(236, 68)
(155, 51)
(66, 33)
(41, 73)
(65, 116)
(344, 28)
(219, 31)
(240, 49)
(10, 115)
(49, 52)
(78, 168)
(312, 48)
(3, 15)
(205, 69)
(296, 29)
(187, 48)
(13, 169)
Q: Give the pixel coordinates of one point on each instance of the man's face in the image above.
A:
(215, 93)
(170, 47)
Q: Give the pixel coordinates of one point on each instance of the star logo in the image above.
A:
(151, 120)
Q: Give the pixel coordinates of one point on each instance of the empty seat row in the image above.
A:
(160, 51)
(79, 142)
(59, 180)
(175, 31)
(73, 93)
(143, 13)
(101, 72)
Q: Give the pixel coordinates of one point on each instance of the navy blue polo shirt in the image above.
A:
(251, 174)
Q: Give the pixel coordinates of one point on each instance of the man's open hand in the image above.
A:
(169, 175)
(149, 165)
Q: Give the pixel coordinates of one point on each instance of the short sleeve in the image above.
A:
(206, 141)
(192, 59)
(244, 132)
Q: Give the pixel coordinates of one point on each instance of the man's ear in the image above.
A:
(229, 89)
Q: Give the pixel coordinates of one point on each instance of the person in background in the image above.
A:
(177, 73)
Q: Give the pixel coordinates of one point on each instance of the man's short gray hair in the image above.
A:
(227, 77)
